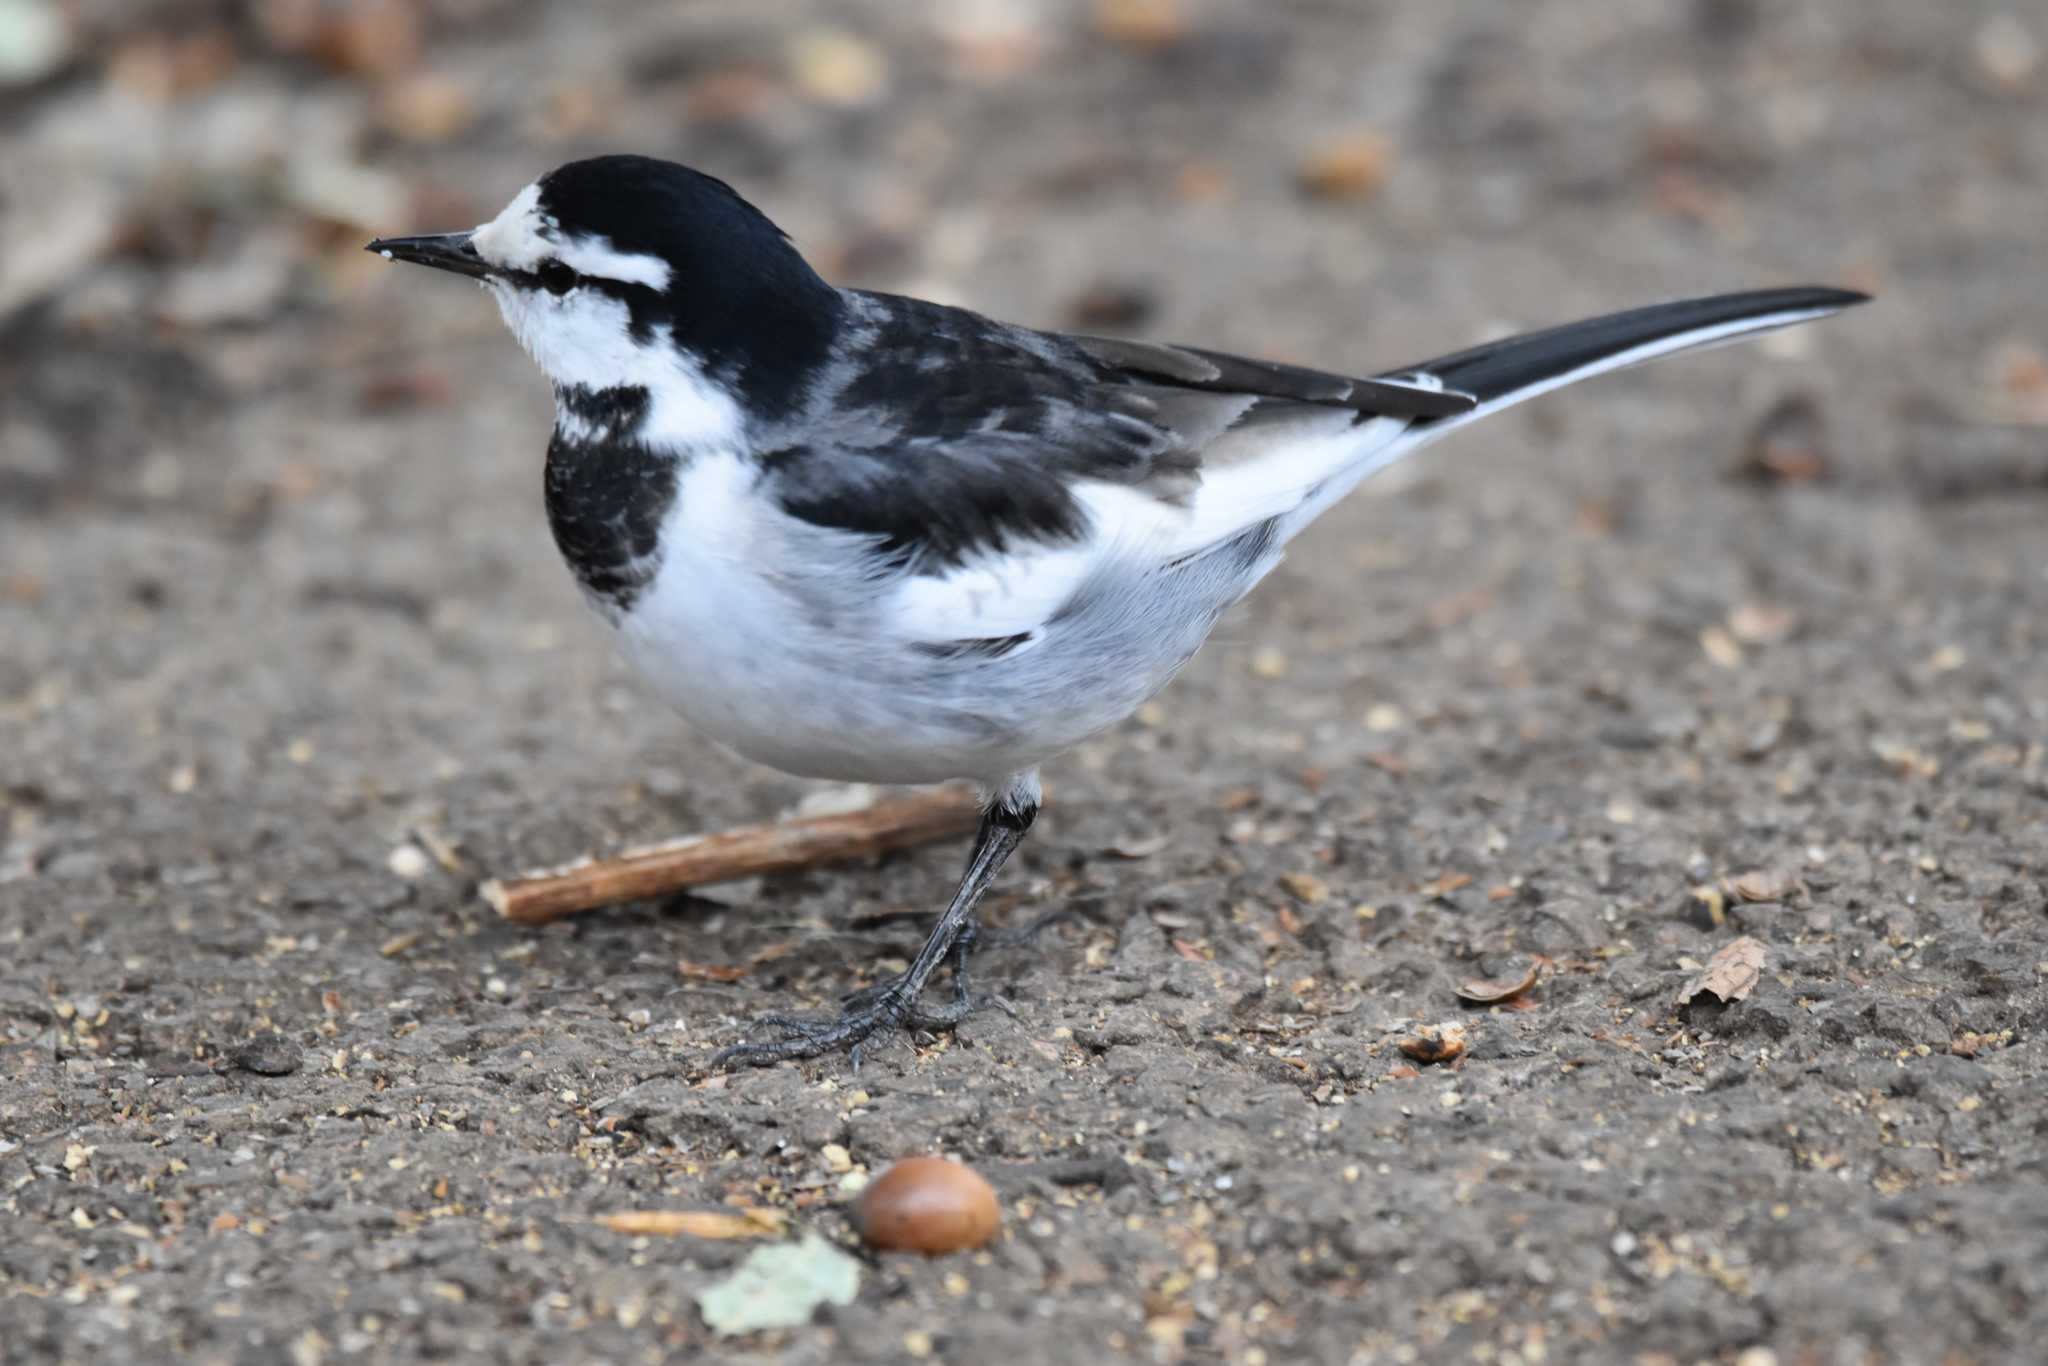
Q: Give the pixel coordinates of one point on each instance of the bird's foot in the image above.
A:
(876, 1009)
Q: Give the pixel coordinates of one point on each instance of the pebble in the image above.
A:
(270, 1056)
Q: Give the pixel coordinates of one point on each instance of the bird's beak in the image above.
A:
(450, 251)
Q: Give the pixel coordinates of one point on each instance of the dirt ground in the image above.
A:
(281, 620)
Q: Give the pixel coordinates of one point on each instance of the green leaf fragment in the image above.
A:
(780, 1287)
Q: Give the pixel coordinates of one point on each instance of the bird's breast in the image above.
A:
(607, 499)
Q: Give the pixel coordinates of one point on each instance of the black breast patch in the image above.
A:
(607, 494)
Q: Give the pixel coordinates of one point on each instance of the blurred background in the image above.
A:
(289, 662)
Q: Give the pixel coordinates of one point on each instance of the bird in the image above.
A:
(868, 538)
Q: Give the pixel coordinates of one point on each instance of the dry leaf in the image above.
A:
(1491, 991)
(1789, 443)
(838, 68)
(1730, 974)
(744, 1222)
(1434, 1043)
(1760, 884)
(1148, 24)
(1306, 887)
(1351, 166)
(1445, 885)
(1137, 849)
(1721, 647)
(1969, 1045)
(710, 972)
(1761, 623)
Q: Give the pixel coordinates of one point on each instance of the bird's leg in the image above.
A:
(896, 1003)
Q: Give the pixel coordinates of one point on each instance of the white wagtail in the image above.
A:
(867, 538)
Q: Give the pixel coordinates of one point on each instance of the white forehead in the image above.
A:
(523, 235)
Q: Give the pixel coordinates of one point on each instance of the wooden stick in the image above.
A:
(536, 897)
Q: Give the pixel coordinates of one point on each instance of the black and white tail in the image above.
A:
(1501, 374)
(1505, 372)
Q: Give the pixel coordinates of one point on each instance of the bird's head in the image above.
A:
(626, 271)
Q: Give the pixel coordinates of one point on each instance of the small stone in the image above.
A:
(273, 1055)
(1384, 716)
(410, 862)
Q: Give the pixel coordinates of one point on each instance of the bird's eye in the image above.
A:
(555, 277)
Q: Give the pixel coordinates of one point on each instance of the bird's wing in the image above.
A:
(994, 468)
(998, 469)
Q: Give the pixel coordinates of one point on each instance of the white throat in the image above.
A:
(584, 338)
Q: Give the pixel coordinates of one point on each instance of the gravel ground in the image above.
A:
(281, 623)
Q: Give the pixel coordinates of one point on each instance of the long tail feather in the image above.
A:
(1503, 373)
(1515, 368)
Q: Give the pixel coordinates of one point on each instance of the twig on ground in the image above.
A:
(536, 897)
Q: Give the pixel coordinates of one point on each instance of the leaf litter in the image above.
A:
(1731, 974)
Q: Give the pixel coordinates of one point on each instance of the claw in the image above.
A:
(898, 1002)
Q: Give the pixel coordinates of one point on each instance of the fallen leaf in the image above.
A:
(1789, 443)
(1137, 849)
(1730, 974)
(373, 38)
(1148, 24)
(2022, 383)
(1761, 884)
(746, 1222)
(1721, 647)
(1110, 304)
(710, 972)
(780, 1287)
(428, 108)
(1761, 623)
(1306, 888)
(1401, 1071)
(838, 68)
(1969, 1045)
(1682, 194)
(1352, 165)
(1491, 991)
(1434, 1043)
(1445, 885)
(1905, 760)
